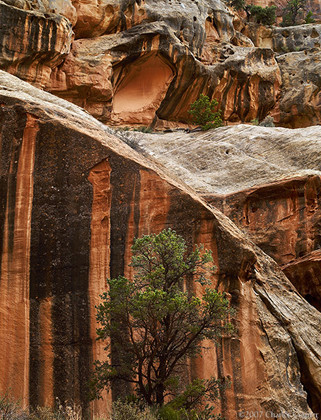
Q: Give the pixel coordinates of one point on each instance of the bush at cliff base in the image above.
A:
(152, 326)
(203, 113)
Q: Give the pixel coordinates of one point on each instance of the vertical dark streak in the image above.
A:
(11, 139)
(59, 262)
(123, 181)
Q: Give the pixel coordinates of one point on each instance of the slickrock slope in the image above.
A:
(230, 159)
(73, 196)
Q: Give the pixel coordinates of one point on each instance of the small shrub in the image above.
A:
(309, 17)
(236, 4)
(203, 114)
(293, 12)
(169, 413)
(143, 129)
(11, 409)
(131, 411)
(120, 129)
(263, 15)
(267, 122)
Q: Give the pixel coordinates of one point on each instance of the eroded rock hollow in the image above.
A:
(162, 55)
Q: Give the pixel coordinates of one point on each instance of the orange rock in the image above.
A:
(267, 181)
(38, 43)
(89, 194)
(170, 54)
(96, 17)
(149, 73)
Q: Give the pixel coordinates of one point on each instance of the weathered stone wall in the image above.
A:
(267, 180)
(32, 43)
(145, 62)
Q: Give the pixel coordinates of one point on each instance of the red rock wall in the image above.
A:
(283, 219)
(15, 261)
(88, 197)
(32, 44)
(143, 63)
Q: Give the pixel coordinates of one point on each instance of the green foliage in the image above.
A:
(309, 17)
(263, 15)
(293, 12)
(131, 411)
(236, 4)
(190, 403)
(267, 122)
(203, 114)
(156, 324)
(143, 129)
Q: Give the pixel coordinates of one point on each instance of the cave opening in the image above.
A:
(141, 88)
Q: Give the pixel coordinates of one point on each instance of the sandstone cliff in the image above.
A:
(267, 180)
(73, 197)
(144, 62)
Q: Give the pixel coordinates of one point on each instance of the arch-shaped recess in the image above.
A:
(142, 85)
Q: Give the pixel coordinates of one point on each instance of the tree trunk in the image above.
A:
(159, 391)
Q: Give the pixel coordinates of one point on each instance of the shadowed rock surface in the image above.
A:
(73, 198)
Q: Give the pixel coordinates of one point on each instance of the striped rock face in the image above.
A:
(140, 62)
(267, 181)
(73, 197)
(32, 43)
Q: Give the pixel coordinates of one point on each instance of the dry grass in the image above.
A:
(11, 410)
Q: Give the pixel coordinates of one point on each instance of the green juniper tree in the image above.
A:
(263, 15)
(203, 113)
(164, 323)
(236, 4)
(293, 12)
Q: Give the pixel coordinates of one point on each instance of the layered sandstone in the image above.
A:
(145, 62)
(74, 197)
(267, 180)
(298, 58)
(164, 79)
(160, 58)
(153, 69)
(287, 39)
(32, 43)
